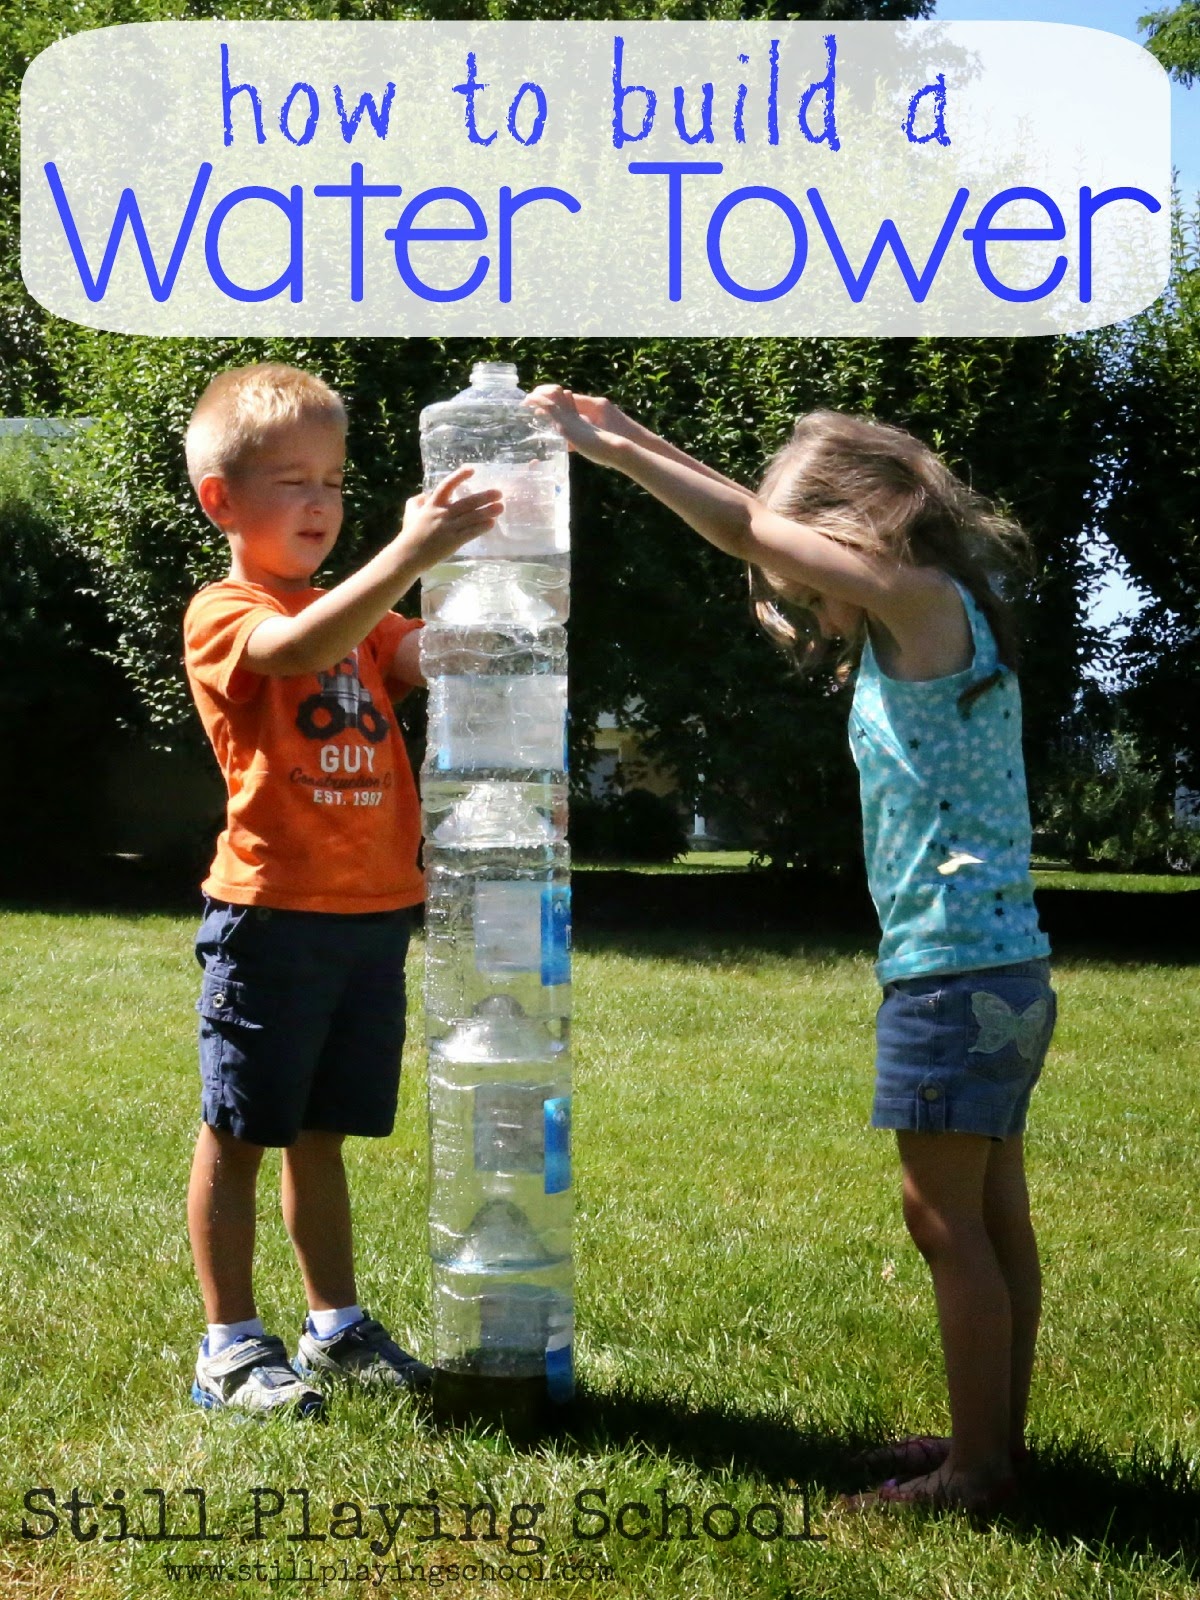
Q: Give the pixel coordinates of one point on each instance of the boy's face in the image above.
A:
(282, 506)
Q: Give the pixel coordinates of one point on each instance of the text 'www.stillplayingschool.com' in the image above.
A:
(595, 179)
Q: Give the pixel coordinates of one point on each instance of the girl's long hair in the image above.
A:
(879, 490)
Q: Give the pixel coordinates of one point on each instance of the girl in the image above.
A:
(860, 534)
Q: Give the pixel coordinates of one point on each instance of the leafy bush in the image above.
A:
(1106, 807)
(61, 700)
(659, 618)
(633, 826)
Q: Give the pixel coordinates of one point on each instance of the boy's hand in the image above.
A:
(435, 524)
(326, 631)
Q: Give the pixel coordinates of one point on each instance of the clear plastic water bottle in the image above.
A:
(500, 1118)
(497, 699)
(514, 450)
(498, 906)
(497, 993)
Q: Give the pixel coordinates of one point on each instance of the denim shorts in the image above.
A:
(960, 1052)
(301, 1021)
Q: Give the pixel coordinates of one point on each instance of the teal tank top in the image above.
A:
(945, 816)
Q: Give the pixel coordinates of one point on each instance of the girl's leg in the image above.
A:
(1006, 1218)
(945, 1180)
(316, 1210)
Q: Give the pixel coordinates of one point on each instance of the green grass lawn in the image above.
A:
(748, 1303)
(694, 861)
(1123, 882)
(1044, 877)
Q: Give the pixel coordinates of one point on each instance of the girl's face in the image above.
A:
(836, 619)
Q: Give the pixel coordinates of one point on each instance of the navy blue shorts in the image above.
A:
(301, 1021)
(960, 1052)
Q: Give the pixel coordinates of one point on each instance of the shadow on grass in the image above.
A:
(1071, 1492)
(701, 947)
(692, 916)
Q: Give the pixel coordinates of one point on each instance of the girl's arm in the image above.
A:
(608, 418)
(733, 519)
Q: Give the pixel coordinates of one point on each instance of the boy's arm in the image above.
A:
(325, 632)
(736, 521)
(405, 667)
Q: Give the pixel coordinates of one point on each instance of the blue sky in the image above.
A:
(1115, 601)
(1111, 16)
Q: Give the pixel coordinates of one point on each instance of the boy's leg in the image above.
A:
(1006, 1218)
(252, 1372)
(944, 1183)
(353, 1091)
(316, 1210)
(221, 1211)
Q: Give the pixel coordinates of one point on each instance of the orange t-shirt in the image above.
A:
(323, 812)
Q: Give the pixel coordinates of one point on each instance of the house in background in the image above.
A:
(621, 764)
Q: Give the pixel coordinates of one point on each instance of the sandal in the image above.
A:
(914, 1456)
(894, 1495)
(903, 1458)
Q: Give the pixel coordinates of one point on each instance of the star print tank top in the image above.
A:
(945, 816)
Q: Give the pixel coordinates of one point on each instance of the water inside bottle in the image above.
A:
(492, 815)
(497, 922)
(498, 914)
(533, 519)
(465, 593)
(497, 724)
(500, 1239)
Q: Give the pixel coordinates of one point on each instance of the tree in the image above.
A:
(1153, 515)
(59, 695)
(661, 630)
(1175, 39)
(662, 621)
(28, 383)
(673, 10)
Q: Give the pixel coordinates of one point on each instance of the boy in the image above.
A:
(306, 924)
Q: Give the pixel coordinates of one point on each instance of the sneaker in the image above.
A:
(253, 1375)
(364, 1352)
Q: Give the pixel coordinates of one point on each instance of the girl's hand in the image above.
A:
(582, 419)
(603, 414)
(603, 432)
(435, 524)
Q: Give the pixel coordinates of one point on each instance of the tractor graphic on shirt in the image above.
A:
(342, 702)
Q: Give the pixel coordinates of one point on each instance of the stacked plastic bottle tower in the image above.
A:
(498, 918)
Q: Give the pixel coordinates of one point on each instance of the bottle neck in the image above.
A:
(494, 376)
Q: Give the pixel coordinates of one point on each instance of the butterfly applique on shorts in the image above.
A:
(1000, 1025)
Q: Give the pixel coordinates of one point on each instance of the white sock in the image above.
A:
(222, 1334)
(327, 1323)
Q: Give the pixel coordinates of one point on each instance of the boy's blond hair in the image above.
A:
(235, 412)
